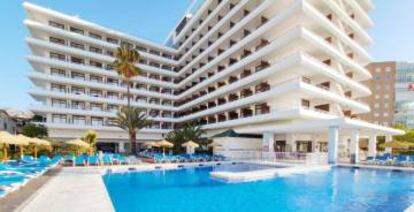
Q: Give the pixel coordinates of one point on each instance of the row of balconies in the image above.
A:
(258, 109)
(110, 53)
(110, 39)
(99, 122)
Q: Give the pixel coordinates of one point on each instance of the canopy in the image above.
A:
(38, 141)
(190, 144)
(77, 142)
(165, 143)
(151, 144)
(214, 144)
(7, 138)
(24, 140)
(19, 114)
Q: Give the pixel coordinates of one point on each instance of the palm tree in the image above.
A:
(124, 64)
(132, 120)
(187, 133)
(90, 137)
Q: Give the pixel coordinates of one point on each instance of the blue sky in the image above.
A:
(153, 19)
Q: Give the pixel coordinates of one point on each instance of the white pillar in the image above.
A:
(333, 137)
(121, 148)
(268, 142)
(354, 148)
(388, 138)
(372, 146)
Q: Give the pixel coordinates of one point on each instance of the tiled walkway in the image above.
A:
(73, 189)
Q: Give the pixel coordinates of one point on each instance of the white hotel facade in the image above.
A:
(290, 70)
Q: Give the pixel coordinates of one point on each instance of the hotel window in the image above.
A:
(60, 103)
(57, 72)
(94, 78)
(112, 108)
(378, 87)
(77, 60)
(96, 64)
(377, 96)
(96, 121)
(96, 107)
(78, 76)
(80, 120)
(76, 30)
(57, 56)
(56, 24)
(377, 78)
(376, 105)
(78, 90)
(376, 114)
(386, 105)
(95, 93)
(57, 40)
(77, 45)
(78, 105)
(386, 96)
(378, 69)
(95, 49)
(96, 36)
(112, 40)
(59, 88)
(385, 115)
(59, 118)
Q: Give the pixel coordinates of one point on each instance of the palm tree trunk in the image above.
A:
(128, 95)
(133, 138)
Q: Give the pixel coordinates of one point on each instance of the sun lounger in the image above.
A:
(80, 161)
(93, 160)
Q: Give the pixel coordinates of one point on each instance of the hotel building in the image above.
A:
(290, 70)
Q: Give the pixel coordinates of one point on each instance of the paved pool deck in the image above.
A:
(72, 189)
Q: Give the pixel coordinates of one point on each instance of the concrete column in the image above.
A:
(354, 146)
(372, 146)
(121, 147)
(388, 138)
(268, 142)
(333, 137)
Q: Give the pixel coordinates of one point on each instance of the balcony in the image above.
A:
(246, 93)
(221, 101)
(263, 65)
(246, 112)
(245, 73)
(233, 97)
(262, 44)
(261, 109)
(221, 117)
(262, 87)
(233, 115)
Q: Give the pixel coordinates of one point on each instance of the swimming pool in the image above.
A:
(192, 189)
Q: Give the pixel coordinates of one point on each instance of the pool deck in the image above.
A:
(73, 189)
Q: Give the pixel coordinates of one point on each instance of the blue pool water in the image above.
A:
(192, 189)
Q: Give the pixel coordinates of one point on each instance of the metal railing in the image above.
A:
(314, 158)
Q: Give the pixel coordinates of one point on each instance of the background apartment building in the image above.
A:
(382, 100)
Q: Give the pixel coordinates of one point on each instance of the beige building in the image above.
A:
(382, 100)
